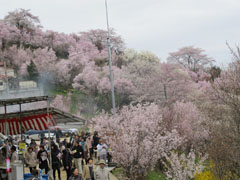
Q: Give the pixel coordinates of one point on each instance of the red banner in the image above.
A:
(37, 122)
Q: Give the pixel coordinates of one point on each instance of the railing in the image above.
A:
(21, 93)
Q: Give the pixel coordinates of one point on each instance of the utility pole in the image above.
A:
(110, 62)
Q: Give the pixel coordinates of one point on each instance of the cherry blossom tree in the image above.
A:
(17, 56)
(28, 25)
(62, 102)
(138, 137)
(23, 20)
(58, 55)
(226, 89)
(200, 76)
(63, 72)
(45, 60)
(191, 124)
(191, 58)
(182, 167)
(98, 37)
(8, 35)
(59, 42)
(164, 85)
(97, 79)
(222, 108)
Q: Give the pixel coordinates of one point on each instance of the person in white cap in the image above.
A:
(101, 172)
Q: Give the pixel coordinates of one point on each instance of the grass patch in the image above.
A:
(153, 175)
(117, 171)
(58, 91)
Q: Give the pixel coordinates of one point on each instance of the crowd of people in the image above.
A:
(75, 155)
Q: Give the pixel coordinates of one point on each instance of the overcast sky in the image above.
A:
(160, 26)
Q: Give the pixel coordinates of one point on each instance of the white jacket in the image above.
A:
(102, 149)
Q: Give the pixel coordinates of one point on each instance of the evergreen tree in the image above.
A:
(32, 71)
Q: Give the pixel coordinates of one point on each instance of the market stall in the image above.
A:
(14, 123)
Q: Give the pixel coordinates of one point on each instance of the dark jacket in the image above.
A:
(79, 177)
(95, 140)
(56, 163)
(67, 158)
(77, 151)
(43, 163)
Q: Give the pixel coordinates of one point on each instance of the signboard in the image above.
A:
(22, 148)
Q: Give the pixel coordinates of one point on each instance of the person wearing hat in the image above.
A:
(101, 173)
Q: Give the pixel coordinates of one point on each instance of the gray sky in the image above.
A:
(160, 26)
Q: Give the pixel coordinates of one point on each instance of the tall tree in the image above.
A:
(99, 38)
(191, 58)
(23, 20)
(224, 111)
(165, 84)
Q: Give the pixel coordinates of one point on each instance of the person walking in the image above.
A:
(88, 170)
(67, 160)
(30, 159)
(77, 156)
(89, 142)
(101, 172)
(42, 157)
(75, 175)
(95, 143)
(85, 149)
(102, 150)
(56, 163)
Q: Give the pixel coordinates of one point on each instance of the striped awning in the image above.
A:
(35, 122)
